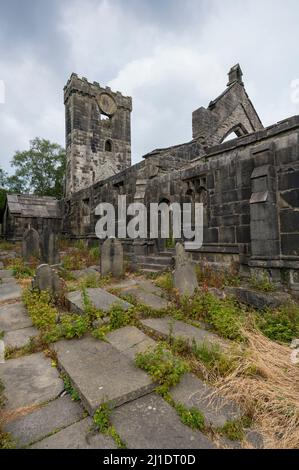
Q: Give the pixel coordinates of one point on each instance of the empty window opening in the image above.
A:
(108, 146)
(230, 136)
(104, 117)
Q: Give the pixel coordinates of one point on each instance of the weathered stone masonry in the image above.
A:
(98, 133)
(249, 185)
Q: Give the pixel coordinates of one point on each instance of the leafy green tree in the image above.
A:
(39, 170)
(3, 179)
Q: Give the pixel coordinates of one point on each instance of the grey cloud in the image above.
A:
(171, 55)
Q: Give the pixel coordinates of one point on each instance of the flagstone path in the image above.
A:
(40, 414)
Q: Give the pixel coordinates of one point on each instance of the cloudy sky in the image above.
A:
(171, 56)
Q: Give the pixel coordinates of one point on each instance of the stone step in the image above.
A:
(154, 267)
(29, 381)
(166, 325)
(14, 317)
(52, 417)
(151, 423)
(168, 254)
(100, 373)
(80, 435)
(100, 298)
(10, 291)
(155, 260)
(130, 341)
(150, 271)
(148, 298)
(194, 393)
(19, 338)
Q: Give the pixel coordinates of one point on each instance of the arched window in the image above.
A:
(108, 146)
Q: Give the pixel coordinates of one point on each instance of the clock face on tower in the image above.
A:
(107, 104)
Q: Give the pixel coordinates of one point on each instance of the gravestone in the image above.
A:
(49, 247)
(185, 279)
(46, 278)
(31, 244)
(112, 258)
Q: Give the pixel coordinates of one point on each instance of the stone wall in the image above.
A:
(249, 187)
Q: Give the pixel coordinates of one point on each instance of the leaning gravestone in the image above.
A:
(46, 278)
(49, 248)
(112, 258)
(31, 244)
(185, 279)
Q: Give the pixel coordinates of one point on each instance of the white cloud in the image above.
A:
(171, 60)
(33, 106)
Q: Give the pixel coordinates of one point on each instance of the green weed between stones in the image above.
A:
(69, 388)
(225, 316)
(162, 366)
(102, 421)
(234, 430)
(190, 416)
(46, 318)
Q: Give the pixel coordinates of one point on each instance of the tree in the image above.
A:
(3, 179)
(39, 170)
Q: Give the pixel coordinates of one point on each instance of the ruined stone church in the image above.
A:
(249, 185)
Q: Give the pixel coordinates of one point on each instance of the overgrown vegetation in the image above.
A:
(191, 417)
(233, 430)
(102, 422)
(165, 281)
(45, 316)
(22, 270)
(207, 276)
(69, 388)
(162, 365)
(80, 256)
(225, 316)
(6, 246)
(281, 324)
(262, 283)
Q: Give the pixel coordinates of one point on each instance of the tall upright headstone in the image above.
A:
(49, 247)
(185, 279)
(112, 258)
(31, 244)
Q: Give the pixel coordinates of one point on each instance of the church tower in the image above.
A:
(98, 133)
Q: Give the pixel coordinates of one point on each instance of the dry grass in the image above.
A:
(266, 384)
